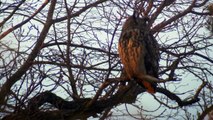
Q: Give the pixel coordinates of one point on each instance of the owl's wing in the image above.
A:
(151, 59)
(152, 56)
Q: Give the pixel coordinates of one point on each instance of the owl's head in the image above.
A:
(135, 22)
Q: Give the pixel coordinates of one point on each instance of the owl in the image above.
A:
(139, 52)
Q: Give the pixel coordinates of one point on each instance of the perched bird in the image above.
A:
(139, 51)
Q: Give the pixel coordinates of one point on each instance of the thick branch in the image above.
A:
(82, 107)
(78, 109)
(205, 112)
(173, 96)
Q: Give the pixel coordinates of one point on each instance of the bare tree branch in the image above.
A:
(87, 106)
(71, 53)
(205, 112)
(16, 76)
(23, 22)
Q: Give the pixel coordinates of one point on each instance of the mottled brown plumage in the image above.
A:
(139, 52)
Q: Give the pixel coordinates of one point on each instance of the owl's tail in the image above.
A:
(150, 87)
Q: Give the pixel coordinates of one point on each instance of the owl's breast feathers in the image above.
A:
(131, 52)
(139, 55)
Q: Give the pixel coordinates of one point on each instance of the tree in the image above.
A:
(59, 59)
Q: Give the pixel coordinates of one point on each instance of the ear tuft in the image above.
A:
(135, 14)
